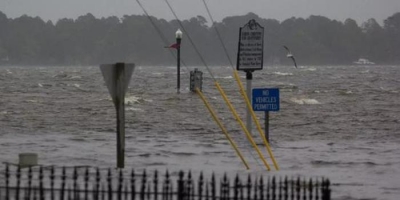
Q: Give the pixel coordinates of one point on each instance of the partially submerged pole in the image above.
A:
(266, 126)
(117, 77)
(178, 36)
(249, 79)
(120, 108)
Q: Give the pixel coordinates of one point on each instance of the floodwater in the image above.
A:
(339, 122)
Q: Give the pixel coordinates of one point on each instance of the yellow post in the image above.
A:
(216, 119)
(255, 119)
(249, 137)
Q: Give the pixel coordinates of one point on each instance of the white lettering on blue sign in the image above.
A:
(265, 99)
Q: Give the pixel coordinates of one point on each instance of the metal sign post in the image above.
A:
(117, 79)
(249, 79)
(266, 99)
(250, 55)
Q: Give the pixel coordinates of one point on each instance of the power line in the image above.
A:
(162, 36)
(191, 41)
(218, 34)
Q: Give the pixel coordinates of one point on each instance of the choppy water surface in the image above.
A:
(340, 122)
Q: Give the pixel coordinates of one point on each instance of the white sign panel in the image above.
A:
(251, 47)
(109, 72)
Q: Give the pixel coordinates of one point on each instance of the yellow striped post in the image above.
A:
(216, 119)
(248, 135)
(242, 92)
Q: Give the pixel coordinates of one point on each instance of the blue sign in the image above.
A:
(265, 99)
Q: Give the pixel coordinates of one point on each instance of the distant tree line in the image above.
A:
(88, 40)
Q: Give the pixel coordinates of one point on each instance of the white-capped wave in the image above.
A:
(44, 85)
(365, 71)
(75, 77)
(310, 69)
(225, 77)
(348, 92)
(130, 100)
(133, 100)
(283, 73)
(32, 101)
(135, 109)
(303, 101)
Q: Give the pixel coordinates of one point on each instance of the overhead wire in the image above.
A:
(248, 135)
(160, 33)
(190, 40)
(218, 34)
(242, 91)
(224, 130)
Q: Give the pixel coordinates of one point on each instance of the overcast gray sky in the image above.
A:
(360, 10)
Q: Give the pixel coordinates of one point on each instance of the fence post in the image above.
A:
(190, 189)
(213, 192)
(224, 188)
(310, 189)
(29, 182)
(75, 182)
(166, 186)
(261, 188)
(255, 189)
(41, 188)
(286, 188)
(86, 183)
(316, 190)
(96, 188)
(273, 188)
(200, 186)
(7, 175)
(63, 177)
(120, 182)
(268, 188)
(133, 187)
(280, 188)
(304, 189)
(155, 182)
(248, 187)
(326, 193)
(18, 176)
(143, 187)
(52, 177)
(109, 182)
(180, 186)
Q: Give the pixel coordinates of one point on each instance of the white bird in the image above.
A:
(290, 55)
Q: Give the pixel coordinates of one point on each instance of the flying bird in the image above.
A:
(290, 55)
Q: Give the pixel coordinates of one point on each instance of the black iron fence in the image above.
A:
(84, 183)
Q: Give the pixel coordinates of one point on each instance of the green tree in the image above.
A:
(392, 29)
(375, 41)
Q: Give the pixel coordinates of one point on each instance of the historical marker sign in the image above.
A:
(251, 47)
(265, 99)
